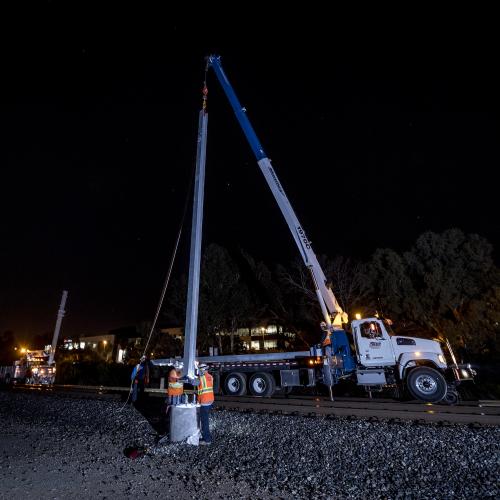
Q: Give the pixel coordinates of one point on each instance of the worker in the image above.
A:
(205, 384)
(326, 342)
(175, 389)
(140, 379)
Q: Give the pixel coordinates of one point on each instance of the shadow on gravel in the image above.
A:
(153, 409)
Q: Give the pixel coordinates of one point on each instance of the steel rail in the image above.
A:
(482, 413)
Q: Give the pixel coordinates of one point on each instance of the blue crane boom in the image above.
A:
(332, 312)
(383, 359)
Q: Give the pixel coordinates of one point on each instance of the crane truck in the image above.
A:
(426, 369)
(32, 368)
(36, 366)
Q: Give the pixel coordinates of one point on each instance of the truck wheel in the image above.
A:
(451, 398)
(235, 384)
(262, 384)
(426, 384)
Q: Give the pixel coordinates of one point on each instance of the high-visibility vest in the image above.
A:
(206, 389)
(175, 388)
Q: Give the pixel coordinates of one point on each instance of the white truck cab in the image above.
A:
(421, 365)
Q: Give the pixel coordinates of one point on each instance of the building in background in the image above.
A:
(176, 332)
(120, 344)
(264, 337)
(111, 346)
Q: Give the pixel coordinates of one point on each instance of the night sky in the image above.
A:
(376, 136)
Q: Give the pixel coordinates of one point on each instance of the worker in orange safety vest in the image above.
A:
(205, 385)
(175, 388)
(327, 331)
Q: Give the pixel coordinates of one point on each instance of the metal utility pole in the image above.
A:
(195, 253)
(183, 418)
(60, 315)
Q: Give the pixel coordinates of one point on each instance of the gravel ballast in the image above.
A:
(55, 446)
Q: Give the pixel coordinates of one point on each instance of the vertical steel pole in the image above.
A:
(60, 315)
(195, 253)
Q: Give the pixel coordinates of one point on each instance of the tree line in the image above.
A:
(445, 285)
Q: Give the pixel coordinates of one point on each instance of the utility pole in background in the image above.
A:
(60, 315)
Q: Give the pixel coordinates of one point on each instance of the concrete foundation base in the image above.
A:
(183, 422)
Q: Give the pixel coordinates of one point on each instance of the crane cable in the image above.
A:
(204, 107)
(176, 246)
(169, 272)
(167, 280)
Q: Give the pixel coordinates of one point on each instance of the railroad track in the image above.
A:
(479, 413)
(483, 413)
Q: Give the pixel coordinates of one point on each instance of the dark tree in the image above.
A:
(219, 287)
(241, 312)
(225, 302)
(344, 275)
(441, 284)
(7, 344)
(281, 302)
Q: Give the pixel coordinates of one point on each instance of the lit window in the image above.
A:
(255, 344)
(82, 345)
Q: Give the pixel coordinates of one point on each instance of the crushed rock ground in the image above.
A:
(59, 447)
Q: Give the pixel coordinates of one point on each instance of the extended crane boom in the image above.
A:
(332, 312)
(421, 367)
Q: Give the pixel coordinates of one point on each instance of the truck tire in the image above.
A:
(452, 397)
(262, 384)
(426, 384)
(235, 384)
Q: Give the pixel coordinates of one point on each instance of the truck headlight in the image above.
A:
(465, 373)
(441, 358)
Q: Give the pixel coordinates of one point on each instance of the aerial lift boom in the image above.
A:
(332, 312)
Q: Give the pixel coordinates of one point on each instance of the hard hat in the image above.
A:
(203, 367)
(143, 358)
